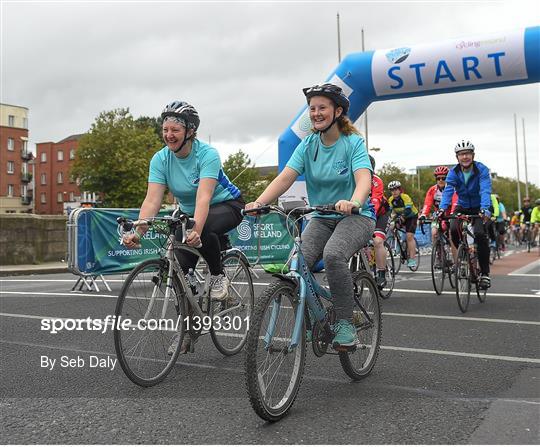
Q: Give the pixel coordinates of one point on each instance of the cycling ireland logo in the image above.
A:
(340, 167)
(398, 55)
(244, 231)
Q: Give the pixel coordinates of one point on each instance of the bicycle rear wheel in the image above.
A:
(274, 369)
(387, 290)
(142, 345)
(395, 246)
(359, 363)
(231, 316)
(463, 278)
(438, 266)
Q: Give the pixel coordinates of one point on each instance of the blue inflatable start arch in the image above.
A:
(488, 61)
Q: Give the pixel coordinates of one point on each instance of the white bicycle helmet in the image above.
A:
(464, 145)
(394, 184)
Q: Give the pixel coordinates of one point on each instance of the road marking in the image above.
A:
(452, 317)
(489, 294)
(526, 268)
(58, 294)
(463, 354)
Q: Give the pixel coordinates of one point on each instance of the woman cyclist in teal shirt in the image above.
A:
(336, 166)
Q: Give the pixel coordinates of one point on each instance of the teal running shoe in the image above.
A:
(345, 334)
(411, 263)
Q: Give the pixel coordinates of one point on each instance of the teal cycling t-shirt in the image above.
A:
(182, 175)
(467, 175)
(330, 177)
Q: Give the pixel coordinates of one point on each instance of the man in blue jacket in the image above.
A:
(472, 182)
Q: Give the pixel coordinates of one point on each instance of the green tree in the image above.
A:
(148, 121)
(244, 174)
(113, 158)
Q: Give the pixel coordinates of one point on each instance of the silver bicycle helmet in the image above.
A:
(464, 145)
(394, 184)
(184, 111)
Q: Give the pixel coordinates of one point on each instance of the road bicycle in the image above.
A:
(467, 271)
(398, 243)
(160, 301)
(364, 259)
(292, 304)
(441, 256)
(527, 236)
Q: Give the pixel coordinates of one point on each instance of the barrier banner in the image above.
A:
(99, 250)
(97, 247)
(275, 241)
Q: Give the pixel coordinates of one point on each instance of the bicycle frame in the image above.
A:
(309, 291)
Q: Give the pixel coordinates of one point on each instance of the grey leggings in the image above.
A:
(337, 240)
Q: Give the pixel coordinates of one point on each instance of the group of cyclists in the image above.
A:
(338, 170)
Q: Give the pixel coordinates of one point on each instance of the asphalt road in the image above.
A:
(441, 376)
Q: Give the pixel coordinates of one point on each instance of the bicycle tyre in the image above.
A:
(368, 322)
(463, 278)
(395, 246)
(386, 292)
(239, 304)
(266, 407)
(143, 368)
(437, 275)
(481, 294)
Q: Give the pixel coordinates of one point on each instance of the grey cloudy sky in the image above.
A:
(243, 64)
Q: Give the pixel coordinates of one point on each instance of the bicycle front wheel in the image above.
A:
(395, 246)
(438, 266)
(230, 317)
(147, 321)
(463, 278)
(274, 367)
(359, 362)
(390, 273)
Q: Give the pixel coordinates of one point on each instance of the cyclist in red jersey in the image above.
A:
(433, 199)
(382, 213)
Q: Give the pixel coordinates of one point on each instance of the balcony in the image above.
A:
(26, 200)
(26, 154)
(26, 177)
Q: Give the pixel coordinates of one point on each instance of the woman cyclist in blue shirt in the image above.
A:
(336, 166)
(192, 171)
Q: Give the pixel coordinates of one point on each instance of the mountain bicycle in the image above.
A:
(398, 243)
(160, 301)
(276, 344)
(364, 259)
(467, 271)
(441, 256)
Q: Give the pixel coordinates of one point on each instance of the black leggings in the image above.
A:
(480, 236)
(222, 217)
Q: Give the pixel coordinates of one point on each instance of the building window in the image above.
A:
(43, 179)
(72, 196)
(59, 197)
(72, 154)
(10, 190)
(10, 167)
(60, 155)
(43, 157)
(11, 121)
(11, 144)
(60, 178)
(24, 168)
(25, 123)
(71, 178)
(25, 146)
(24, 190)
(43, 197)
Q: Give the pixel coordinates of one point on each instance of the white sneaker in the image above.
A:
(219, 287)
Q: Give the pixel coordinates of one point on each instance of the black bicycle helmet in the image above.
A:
(372, 160)
(186, 112)
(331, 91)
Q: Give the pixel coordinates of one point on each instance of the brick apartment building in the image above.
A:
(15, 160)
(53, 184)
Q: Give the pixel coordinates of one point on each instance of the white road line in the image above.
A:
(452, 317)
(526, 268)
(93, 295)
(464, 354)
(489, 294)
(389, 348)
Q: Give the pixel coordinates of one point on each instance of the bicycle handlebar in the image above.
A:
(300, 211)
